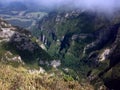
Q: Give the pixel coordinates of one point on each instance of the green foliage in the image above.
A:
(30, 58)
(70, 60)
(68, 78)
(2, 50)
(54, 49)
(33, 39)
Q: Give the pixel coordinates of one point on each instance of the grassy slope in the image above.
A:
(19, 78)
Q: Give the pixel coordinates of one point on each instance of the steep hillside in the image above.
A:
(17, 44)
(111, 75)
(25, 65)
(82, 40)
(80, 26)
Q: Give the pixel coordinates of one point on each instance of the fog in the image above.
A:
(107, 6)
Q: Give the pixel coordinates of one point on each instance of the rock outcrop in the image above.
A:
(112, 76)
(20, 44)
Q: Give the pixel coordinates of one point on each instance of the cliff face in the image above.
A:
(115, 51)
(81, 40)
(69, 26)
(19, 45)
(76, 33)
(112, 76)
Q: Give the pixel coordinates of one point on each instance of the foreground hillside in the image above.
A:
(20, 78)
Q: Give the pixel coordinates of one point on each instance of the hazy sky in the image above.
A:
(98, 5)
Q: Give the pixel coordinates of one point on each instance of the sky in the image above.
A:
(96, 5)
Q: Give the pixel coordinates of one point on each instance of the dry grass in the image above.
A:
(12, 78)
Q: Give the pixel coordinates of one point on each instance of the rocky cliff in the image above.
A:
(112, 75)
(19, 45)
(82, 40)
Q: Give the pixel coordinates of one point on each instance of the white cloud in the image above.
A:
(98, 5)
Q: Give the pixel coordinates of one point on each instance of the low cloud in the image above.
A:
(108, 6)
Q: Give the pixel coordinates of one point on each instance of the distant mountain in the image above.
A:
(13, 6)
(16, 6)
(22, 14)
(23, 6)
